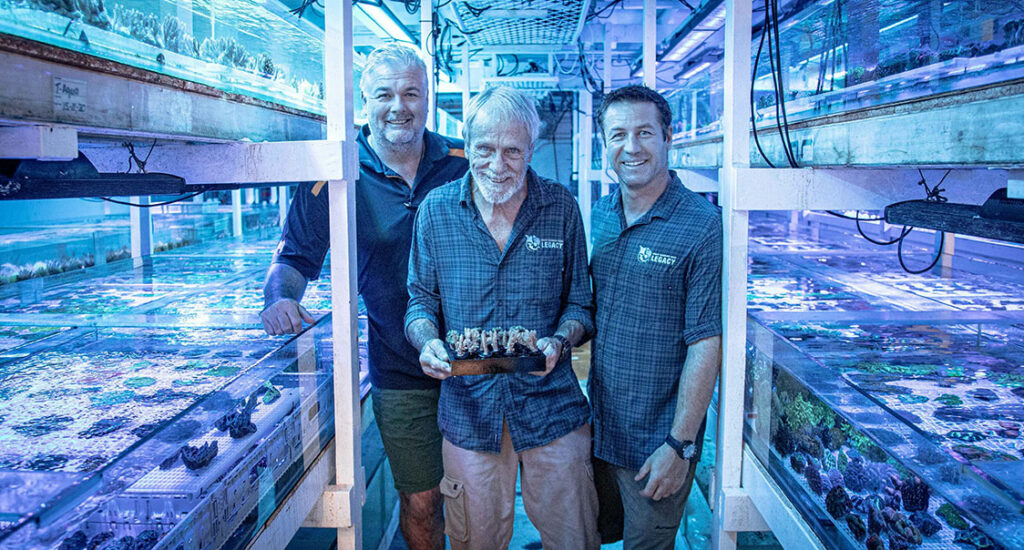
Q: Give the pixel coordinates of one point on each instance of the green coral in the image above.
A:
(955, 372)
(912, 399)
(842, 461)
(223, 372)
(189, 382)
(882, 367)
(140, 382)
(951, 516)
(801, 412)
(141, 365)
(949, 400)
(110, 398)
(1008, 379)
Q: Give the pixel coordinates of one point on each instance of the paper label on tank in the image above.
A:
(69, 96)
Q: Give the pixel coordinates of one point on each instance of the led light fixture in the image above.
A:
(379, 19)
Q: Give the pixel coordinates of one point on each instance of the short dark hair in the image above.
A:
(635, 93)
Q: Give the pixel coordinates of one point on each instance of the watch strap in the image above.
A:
(685, 449)
(565, 345)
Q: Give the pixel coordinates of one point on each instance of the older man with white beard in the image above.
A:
(499, 248)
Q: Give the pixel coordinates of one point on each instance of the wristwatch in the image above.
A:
(685, 449)
(566, 346)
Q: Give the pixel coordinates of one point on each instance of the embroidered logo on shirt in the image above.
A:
(647, 255)
(535, 243)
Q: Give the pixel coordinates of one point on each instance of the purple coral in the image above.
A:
(813, 477)
(835, 478)
(915, 494)
(874, 543)
(856, 475)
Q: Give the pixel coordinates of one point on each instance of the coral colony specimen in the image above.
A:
(198, 457)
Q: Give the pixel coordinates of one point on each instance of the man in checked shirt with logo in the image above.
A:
(657, 266)
(499, 248)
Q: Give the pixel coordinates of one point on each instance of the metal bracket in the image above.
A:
(43, 142)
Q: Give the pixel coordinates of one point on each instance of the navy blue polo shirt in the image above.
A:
(658, 287)
(459, 279)
(385, 211)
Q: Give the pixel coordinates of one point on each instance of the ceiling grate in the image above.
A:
(515, 22)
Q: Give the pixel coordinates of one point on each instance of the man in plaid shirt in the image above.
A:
(503, 247)
(657, 264)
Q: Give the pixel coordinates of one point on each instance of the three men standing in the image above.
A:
(656, 265)
(501, 247)
(399, 163)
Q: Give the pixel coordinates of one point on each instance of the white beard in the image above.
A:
(497, 193)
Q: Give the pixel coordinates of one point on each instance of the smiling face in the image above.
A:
(395, 104)
(499, 155)
(636, 146)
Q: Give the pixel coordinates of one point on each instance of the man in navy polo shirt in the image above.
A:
(400, 162)
(503, 247)
(656, 264)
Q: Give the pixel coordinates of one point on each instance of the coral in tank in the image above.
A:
(951, 516)
(798, 462)
(857, 527)
(915, 493)
(837, 502)
(198, 457)
(813, 477)
(925, 523)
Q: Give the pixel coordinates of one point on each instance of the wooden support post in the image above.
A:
(140, 222)
(735, 125)
(650, 51)
(350, 480)
(584, 137)
(236, 212)
(426, 36)
(282, 205)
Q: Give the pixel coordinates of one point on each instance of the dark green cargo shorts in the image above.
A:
(408, 426)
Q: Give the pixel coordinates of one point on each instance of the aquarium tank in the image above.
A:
(264, 50)
(841, 56)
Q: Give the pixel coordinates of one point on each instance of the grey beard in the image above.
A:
(496, 194)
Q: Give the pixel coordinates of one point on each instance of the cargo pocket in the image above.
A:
(456, 521)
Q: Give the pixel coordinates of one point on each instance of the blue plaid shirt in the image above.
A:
(458, 278)
(658, 289)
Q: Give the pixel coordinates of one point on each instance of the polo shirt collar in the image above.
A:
(662, 207)
(434, 150)
(535, 192)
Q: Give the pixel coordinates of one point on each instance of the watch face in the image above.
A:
(689, 450)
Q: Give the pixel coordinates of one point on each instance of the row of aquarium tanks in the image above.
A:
(143, 406)
(37, 249)
(887, 406)
(840, 56)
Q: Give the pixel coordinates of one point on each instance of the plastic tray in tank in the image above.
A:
(75, 407)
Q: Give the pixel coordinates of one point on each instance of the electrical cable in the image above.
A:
(938, 255)
(136, 205)
(753, 109)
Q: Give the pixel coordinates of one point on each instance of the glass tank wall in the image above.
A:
(843, 55)
(257, 49)
(887, 406)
